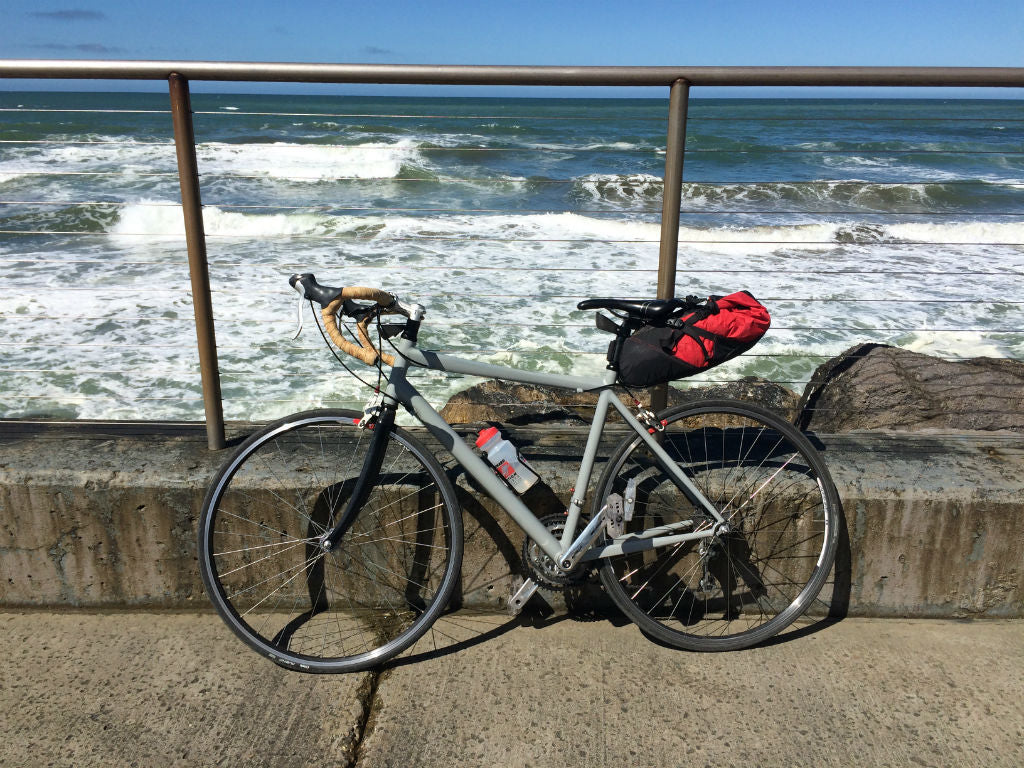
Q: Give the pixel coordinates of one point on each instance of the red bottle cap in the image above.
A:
(485, 435)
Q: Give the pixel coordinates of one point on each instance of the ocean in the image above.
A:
(893, 221)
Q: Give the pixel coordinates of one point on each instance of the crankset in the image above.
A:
(541, 568)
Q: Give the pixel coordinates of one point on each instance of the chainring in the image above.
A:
(541, 568)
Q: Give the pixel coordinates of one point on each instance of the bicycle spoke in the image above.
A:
(739, 585)
(373, 594)
(255, 562)
(258, 546)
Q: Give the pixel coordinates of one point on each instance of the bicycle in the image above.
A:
(332, 539)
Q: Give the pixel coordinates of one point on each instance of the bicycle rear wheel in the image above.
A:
(737, 589)
(369, 598)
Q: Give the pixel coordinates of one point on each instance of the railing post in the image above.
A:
(672, 199)
(195, 239)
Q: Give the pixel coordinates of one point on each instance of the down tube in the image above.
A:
(477, 467)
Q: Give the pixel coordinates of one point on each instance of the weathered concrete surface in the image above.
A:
(101, 519)
(178, 689)
(860, 692)
(170, 689)
(935, 522)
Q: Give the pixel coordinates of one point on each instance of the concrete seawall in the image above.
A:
(105, 515)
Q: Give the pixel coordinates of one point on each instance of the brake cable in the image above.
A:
(380, 371)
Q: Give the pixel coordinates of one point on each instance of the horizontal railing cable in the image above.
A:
(633, 211)
(276, 146)
(582, 270)
(540, 298)
(238, 191)
(682, 241)
(776, 328)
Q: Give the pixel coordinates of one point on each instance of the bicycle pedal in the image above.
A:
(521, 597)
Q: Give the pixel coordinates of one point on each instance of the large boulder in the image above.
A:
(874, 386)
(519, 404)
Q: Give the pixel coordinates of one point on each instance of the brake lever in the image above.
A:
(299, 329)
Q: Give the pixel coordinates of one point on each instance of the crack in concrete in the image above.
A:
(58, 555)
(368, 697)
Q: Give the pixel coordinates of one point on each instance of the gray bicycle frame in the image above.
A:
(400, 391)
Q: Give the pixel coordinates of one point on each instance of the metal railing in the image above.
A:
(677, 81)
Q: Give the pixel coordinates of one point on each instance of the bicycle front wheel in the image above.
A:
(738, 588)
(370, 597)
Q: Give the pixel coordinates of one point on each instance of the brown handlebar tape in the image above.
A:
(364, 293)
(366, 352)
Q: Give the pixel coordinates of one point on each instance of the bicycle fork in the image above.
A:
(381, 427)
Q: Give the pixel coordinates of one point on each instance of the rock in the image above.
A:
(775, 397)
(519, 404)
(874, 386)
(514, 403)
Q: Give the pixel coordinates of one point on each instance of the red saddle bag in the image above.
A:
(727, 326)
(718, 330)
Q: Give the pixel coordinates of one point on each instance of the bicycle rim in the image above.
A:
(369, 598)
(737, 589)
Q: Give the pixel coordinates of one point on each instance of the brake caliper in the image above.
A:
(371, 411)
(649, 420)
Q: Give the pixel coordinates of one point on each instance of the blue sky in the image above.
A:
(637, 32)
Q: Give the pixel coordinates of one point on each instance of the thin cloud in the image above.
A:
(79, 48)
(372, 50)
(70, 14)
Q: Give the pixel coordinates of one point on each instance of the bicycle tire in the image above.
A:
(741, 588)
(372, 596)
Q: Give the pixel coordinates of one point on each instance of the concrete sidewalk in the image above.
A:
(155, 689)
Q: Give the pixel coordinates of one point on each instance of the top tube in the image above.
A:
(439, 362)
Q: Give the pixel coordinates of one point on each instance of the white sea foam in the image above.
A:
(961, 345)
(963, 232)
(161, 218)
(100, 153)
(525, 296)
(308, 162)
(500, 287)
(280, 160)
(618, 189)
(642, 191)
(609, 146)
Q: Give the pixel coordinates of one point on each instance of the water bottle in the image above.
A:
(506, 460)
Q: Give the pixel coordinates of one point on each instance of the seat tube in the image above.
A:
(586, 468)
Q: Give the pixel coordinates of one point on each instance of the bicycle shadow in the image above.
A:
(457, 631)
(831, 605)
(477, 613)
(493, 569)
